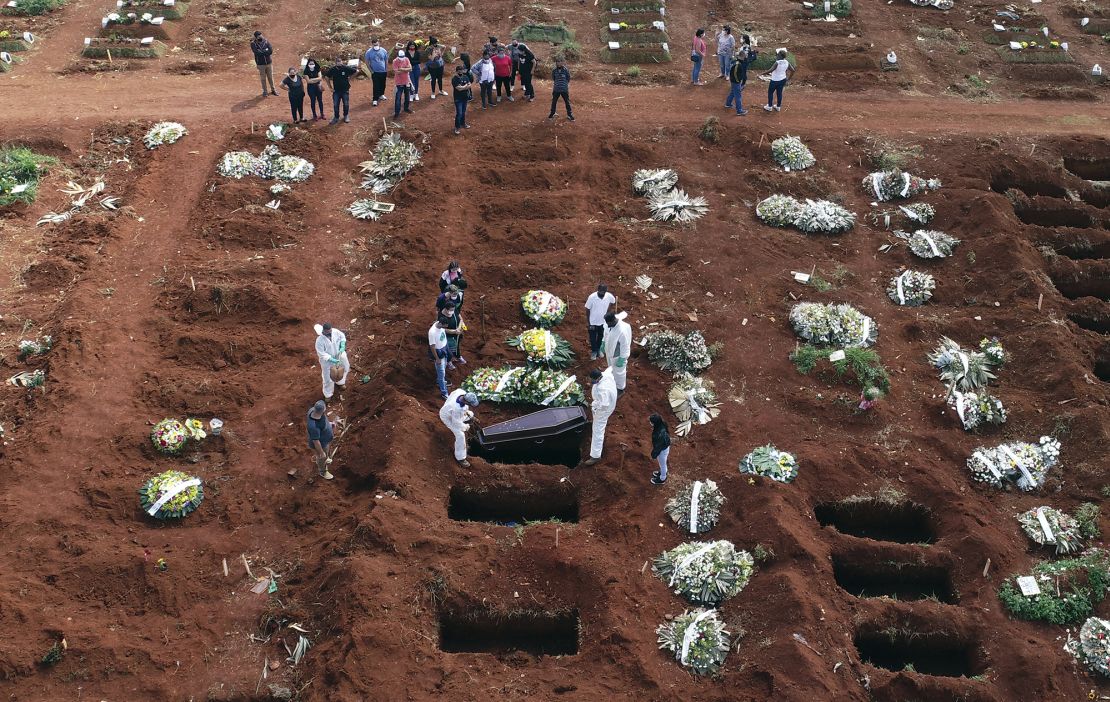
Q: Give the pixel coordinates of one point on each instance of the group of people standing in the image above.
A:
(734, 61)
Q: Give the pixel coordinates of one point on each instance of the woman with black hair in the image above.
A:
(413, 52)
(314, 83)
(660, 448)
(435, 67)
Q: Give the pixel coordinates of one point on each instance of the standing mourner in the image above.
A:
(502, 72)
(598, 305)
(413, 52)
(452, 322)
(435, 70)
(560, 88)
(402, 77)
(455, 413)
(660, 448)
(514, 55)
(526, 63)
(437, 351)
(452, 276)
(491, 46)
(320, 434)
(452, 296)
(781, 72)
(377, 60)
(603, 393)
(313, 80)
(483, 71)
(726, 47)
(697, 55)
(294, 83)
(460, 86)
(331, 348)
(339, 80)
(738, 78)
(618, 347)
(263, 59)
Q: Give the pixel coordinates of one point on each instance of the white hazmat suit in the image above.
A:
(455, 416)
(332, 350)
(604, 396)
(618, 346)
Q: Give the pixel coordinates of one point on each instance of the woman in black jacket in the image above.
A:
(660, 448)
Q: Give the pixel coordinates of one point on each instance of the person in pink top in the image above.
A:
(697, 55)
(402, 77)
(503, 72)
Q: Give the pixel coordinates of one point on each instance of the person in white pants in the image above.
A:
(331, 347)
(455, 413)
(618, 347)
(603, 392)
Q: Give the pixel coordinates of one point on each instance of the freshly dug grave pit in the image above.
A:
(1088, 168)
(1026, 183)
(897, 580)
(1077, 279)
(1057, 216)
(901, 522)
(914, 651)
(1102, 364)
(1091, 323)
(481, 630)
(512, 505)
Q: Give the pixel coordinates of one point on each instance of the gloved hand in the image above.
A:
(342, 346)
(465, 427)
(333, 361)
(620, 362)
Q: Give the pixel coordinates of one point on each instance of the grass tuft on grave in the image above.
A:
(123, 48)
(21, 166)
(29, 8)
(550, 33)
(427, 3)
(1034, 55)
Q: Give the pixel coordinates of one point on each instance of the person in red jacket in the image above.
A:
(503, 72)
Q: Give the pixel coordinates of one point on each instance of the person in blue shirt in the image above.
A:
(377, 59)
(320, 434)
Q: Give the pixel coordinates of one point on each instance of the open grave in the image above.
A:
(481, 630)
(873, 577)
(901, 522)
(513, 505)
(930, 653)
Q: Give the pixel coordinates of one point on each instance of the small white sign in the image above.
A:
(12, 3)
(353, 63)
(614, 27)
(836, 356)
(5, 57)
(158, 20)
(146, 41)
(88, 40)
(801, 277)
(20, 188)
(614, 45)
(169, 3)
(1028, 585)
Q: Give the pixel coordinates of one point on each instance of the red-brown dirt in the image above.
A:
(195, 300)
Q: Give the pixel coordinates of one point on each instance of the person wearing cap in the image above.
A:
(438, 352)
(331, 347)
(618, 346)
(603, 396)
(402, 78)
(320, 434)
(264, 61)
(455, 413)
(598, 306)
(726, 47)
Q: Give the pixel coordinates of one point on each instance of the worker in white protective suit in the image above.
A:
(455, 413)
(331, 347)
(603, 392)
(618, 347)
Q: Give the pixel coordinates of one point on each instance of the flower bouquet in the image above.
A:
(696, 506)
(542, 307)
(919, 212)
(537, 386)
(393, 158)
(277, 131)
(790, 153)
(30, 347)
(911, 288)
(650, 181)
(959, 369)
(495, 384)
(769, 462)
(704, 573)
(693, 401)
(1092, 648)
(992, 349)
(541, 347)
(676, 206)
(1051, 527)
(833, 325)
(823, 217)
(169, 436)
(171, 495)
(679, 354)
(778, 210)
(1023, 463)
(697, 639)
(927, 243)
(164, 133)
(897, 185)
(287, 168)
(977, 409)
(239, 164)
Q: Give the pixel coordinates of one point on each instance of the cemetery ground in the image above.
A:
(878, 567)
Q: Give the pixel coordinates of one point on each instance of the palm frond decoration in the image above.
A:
(677, 206)
(649, 181)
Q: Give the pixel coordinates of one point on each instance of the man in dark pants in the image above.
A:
(320, 434)
(738, 78)
(460, 86)
(560, 88)
(377, 60)
(263, 59)
(339, 80)
(526, 62)
(514, 54)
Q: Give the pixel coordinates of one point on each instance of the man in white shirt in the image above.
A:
(437, 351)
(455, 413)
(598, 305)
(603, 393)
(618, 347)
(331, 348)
